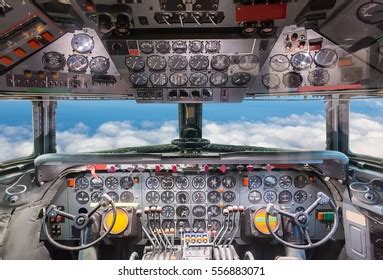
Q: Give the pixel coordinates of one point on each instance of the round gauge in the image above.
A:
(111, 183)
(279, 62)
(285, 181)
(158, 79)
(177, 62)
(212, 46)
(96, 196)
(270, 182)
(182, 197)
(300, 209)
(284, 197)
(183, 211)
(178, 79)
(254, 197)
(301, 60)
(248, 62)
(156, 63)
(168, 224)
(77, 63)
(82, 197)
(163, 47)
(300, 181)
(126, 197)
(126, 182)
(220, 62)
(370, 13)
(81, 183)
(199, 197)
(152, 197)
(168, 211)
(152, 182)
(214, 210)
(138, 79)
(167, 183)
(195, 46)
(182, 224)
(179, 47)
(213, 182)
(255, 182)
(199, 224)
(114, 196)
(53, 61)
(82, 43)
(214, 196)
(218, 79)
(199, 211)
(326, 58)
(215, 225)
(318, 77)
(292, 80)
(182, 183)
(135, 63)
(198, 79)
(271, 81)
(167, 197)
(198, 182)
(96, 183)
(270, 196)
(300, 196)
(229, 182)
(99, 65)
(146, 47)
(199, 62)
(241, 79)
(228, 196)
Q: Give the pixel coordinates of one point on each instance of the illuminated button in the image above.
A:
(122, 221)
(34, 44)
(28, 74)
(325, 216)
(245, 181)
(6, 60)
(20, 52)
(48, 36)
(260, 221)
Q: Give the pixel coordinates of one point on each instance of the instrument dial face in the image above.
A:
(271, 81)
(318, 77)
(248, 62)
(215, 225)
(220, 62)
(199, 197)
(301, 60)
(168, 224)
(96, 196)
(199, 62)
(111, 183)
(81, 183)
(152, 182)
(212, 46)
(168, 211)
(228, 196)
(179, 47)
(300, 181)
(167, 183)
(96, 183)
(214, 210)
(370, 13)
(218, 79)
(199, 224)
(270, 182)
(198, 79)
(178, 79)
(178, 62)
(77, 63)
(126, 182)
(182, 223)
(241, 79)
(146, 47)
(198, 182)
(167, 197)
(285, 181)
(183, 211)
(126, 197)
(326, 58)
(82, 197)
(182, 183)
(138, 79)
(292, 80)
(270, 196)
(152, 197)
(135, 63)
(82, 43)
(254, 197)
(156, 62)
(255, 182)
(199, 211)
(114, 196)
(279, 62)
(214, 196)
(182, 197)
(53, 61)
(158, 79)
(195, 46)
(229, 182)
(99, 65)
(285, 197)
(163, 47)
(213, 182)
(300, 196)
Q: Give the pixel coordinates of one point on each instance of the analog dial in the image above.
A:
(183, 211)
(326, 58)
(199, 197)
(152, 182)
(152, 197)
(178, 79)
(254, 197)
(228, 196)
(182, 224)
(248, 62)
(182, 197)
(182, 183)
(255, 182)
(178, 62)
(163, 47)
(213, 182)
(82, 43)
(99, 65)
(300, 196)
(96, 196)
(158, 79)
(199, 211)
(198, 182)
(135, 63)
(126, 197)
(199, 224)
(285, 181)
(81, 183)
(214, 196)
(241, 79)
(229, 182)
(156, 63)
(292, 80)
(215, 225)
(212, 46)
(270, 181)
(168, 211)
(218, 79)
(114, 196)
(167, 197)
(198, 79)
(318, 77)
(138, 79)
(53, 61)
(77, 63)
(199, 62)
(300, 181)
(301, 60)
(168, 224)
(96, 183)
(195, 46)
(271, 81)
(179, 47)
(270, 196)
(167, 183)
(214, 210)
(220, 62)
(279, 62)
(285, 197)
(111, 183)
(146, 47)
(82, 197)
